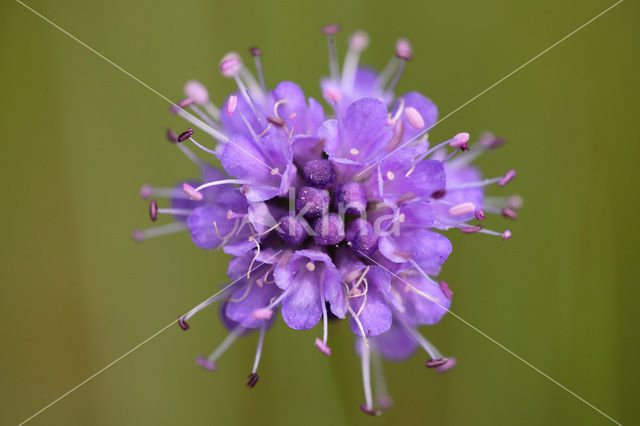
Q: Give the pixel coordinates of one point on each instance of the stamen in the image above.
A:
(478, 184)
(256, 362)
(255, 52)
(471, 229)
(262, 313)
(479, 214)
(232, 104)
(330, 31)
(433, 363)
(448, 365)
(365, 355)
(382, 397)
(507, 178)
(509, 213)
(322, 347)
(253, 380)
(233, 215)
(462, 209)
(153, 210)
(391, 175)
(188, 190)
(195, 90)
(158, 231)
(209, 362)
(429, 348)
(192, 192)
(404, 52)
(230, 65)
(506, 235)
(310, 266)
(210, 301)
(444, 287)
(357, 43)
(185, 135)
(414, 118)
(172, 136)
(332, 95)
(460, 141)
(354, 151)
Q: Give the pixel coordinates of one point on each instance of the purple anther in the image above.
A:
(276, 121)
(506, 235)
(206, 363)
(292, 230)
(404, 50)
(509, 213)
(322, 347)
(370, 411)
(451, 362)
(146, 191)
(153, 210)
(254, 51)
(172, 136)
(507, 177)
(319, 173)
(185, 135)
(480, 214)
(328, 230)
(384, 402)
(313, 202)
(438, 194)
(253, 379)
(183, 324)
(433, 363)
(460, 141)
(471, 229)
(444, 287)
(330, 29)
(361, 236)
(137, 235)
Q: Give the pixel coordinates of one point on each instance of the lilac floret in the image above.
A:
(319, 173)
(313, 202)
(328, 230)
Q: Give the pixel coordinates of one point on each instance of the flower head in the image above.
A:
(328, 214)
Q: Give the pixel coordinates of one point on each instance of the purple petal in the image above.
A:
(427, 248)
(364, 132)
(424, 106)
(395, 344)
(301, 308)
(202, 228)
(375, 316)
(243, 302)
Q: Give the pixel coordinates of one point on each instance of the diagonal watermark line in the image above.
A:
(136, 347)
(419, 135)
(204, 126)
(500, 345)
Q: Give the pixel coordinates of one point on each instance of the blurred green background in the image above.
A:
(80, 138)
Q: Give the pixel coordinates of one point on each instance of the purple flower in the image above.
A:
(328, 215)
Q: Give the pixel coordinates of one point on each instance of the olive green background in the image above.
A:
(80, 137)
